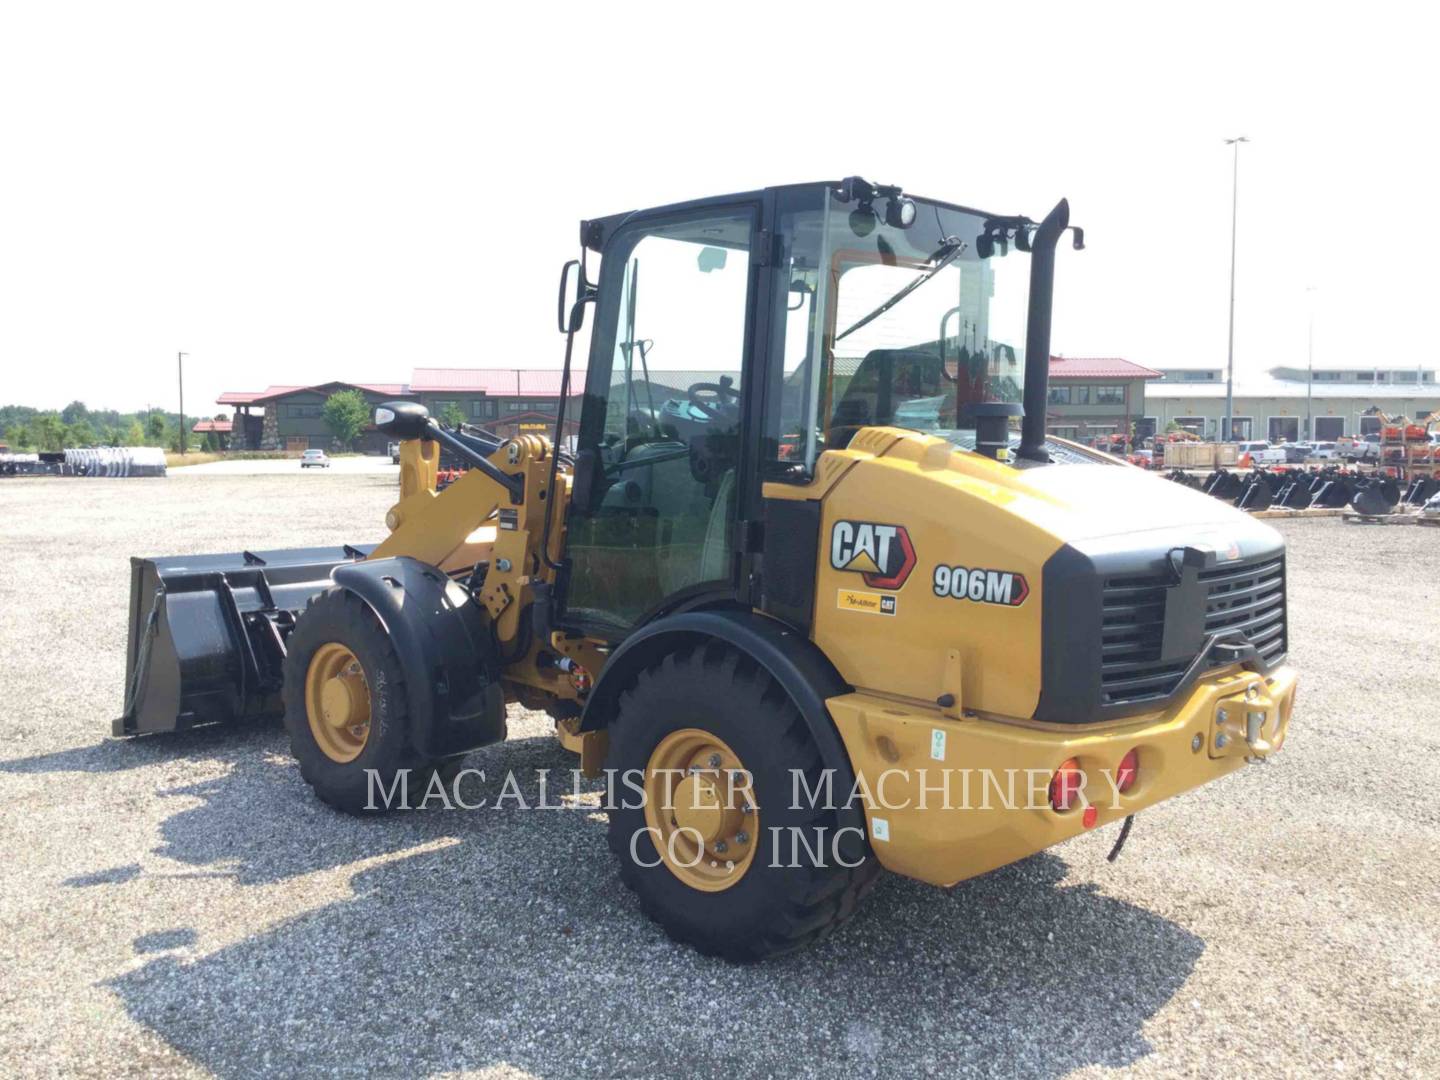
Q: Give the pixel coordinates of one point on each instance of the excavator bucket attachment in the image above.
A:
(207, 633)
(1376, 496)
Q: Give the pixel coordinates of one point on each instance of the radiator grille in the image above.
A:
(1247, 598)
(1250, 599)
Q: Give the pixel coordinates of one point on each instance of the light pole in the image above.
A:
(1310, 384)
(1226, 434)
(180, 364)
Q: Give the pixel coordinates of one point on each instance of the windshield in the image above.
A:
(892, 326)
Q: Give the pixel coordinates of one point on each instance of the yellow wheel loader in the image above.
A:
(809, 581)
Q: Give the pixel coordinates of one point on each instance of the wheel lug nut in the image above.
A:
(742, 838)
(747, 809)
(721, 847)
(714, 761)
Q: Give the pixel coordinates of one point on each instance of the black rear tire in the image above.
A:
(387, 759)
(779, 904)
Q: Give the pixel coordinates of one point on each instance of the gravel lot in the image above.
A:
(357, 463)
(181, 905)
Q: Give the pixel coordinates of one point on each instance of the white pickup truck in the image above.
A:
(1262, 453)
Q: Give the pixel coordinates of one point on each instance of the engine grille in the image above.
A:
(1248, 598)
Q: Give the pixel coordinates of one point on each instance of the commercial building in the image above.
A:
(1088, 397)
(506, 401)
(1276, 405)
(220, 429)
(1092, 396)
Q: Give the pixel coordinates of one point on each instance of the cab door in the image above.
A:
(659, 456)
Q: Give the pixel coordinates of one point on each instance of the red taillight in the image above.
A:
(1065, 785)
(1127, 771)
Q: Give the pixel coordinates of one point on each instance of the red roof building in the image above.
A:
(496, 382)
(502, 400)
(1098, 367)
(1093, 396)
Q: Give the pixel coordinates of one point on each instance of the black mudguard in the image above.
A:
(443, 638)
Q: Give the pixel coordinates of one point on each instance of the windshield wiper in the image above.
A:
(945, 254)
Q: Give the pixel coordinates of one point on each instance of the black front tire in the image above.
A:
(387, 763)
(779, 904)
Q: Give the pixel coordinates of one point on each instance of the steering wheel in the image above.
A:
(721, 395)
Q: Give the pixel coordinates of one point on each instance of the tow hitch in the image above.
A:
(1250, 723)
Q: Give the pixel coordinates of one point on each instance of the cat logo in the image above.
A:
(882, 554)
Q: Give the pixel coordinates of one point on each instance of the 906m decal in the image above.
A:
(882, 554)
(1004, 587)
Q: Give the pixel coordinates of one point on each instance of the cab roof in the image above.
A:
(594, 232)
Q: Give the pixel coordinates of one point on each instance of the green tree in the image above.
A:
(20, 437)
(155, 430)
(74, 413)
(49, 432)
(346, 414)
(451, 415)
(80, 433)
(134, 434)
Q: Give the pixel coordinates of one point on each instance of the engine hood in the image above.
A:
(1080, 502)
(1077, 502)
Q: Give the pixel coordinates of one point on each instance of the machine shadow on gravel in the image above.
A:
(515, 945)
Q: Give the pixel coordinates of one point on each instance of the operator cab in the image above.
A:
(737, 338)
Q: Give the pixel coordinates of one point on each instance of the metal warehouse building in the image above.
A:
(507, 401)
(1276, 405)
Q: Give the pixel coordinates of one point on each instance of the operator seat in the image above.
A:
(885, 379)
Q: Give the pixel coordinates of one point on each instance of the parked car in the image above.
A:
(314, 457)
(1297, 453)
(1262, 453)
(1364, 448)
(1325, 451)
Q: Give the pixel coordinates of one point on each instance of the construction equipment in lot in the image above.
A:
(813, 554)
(1330, 487)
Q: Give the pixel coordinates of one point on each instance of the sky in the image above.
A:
(300, 192)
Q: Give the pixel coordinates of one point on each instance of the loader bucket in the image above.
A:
(1376, 497)
(1297, 493)
(1256, 493)
(207, 633)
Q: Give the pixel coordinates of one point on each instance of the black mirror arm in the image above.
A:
(513, 485)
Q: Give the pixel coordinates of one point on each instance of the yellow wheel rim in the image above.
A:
(701, 809)
(337, 702)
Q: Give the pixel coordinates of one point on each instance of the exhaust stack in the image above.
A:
(1037, 331)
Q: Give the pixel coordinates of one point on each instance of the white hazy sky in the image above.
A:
(297, 192)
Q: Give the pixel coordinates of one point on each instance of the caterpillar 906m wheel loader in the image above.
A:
(811, 534)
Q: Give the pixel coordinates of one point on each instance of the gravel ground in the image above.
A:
(358, 463)
(181, 905)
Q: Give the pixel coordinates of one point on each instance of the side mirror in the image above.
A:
(711, 258)
(402, 419)
(570, 309)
